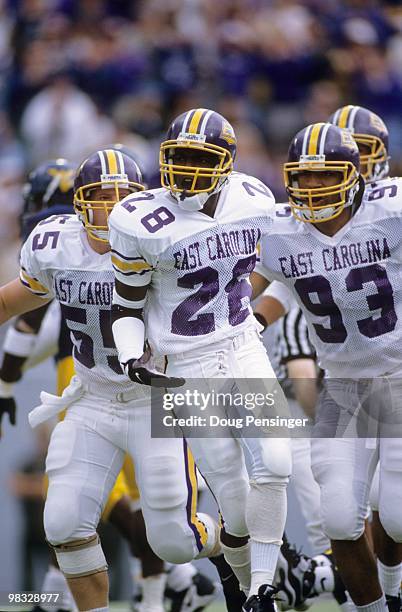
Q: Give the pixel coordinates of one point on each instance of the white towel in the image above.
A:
(51, 405)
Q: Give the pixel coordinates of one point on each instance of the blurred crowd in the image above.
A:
(76, 75)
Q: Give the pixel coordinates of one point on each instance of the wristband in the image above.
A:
(19, 343)
(6, 389)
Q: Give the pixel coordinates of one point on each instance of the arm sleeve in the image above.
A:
(296, 343)
(33, 274)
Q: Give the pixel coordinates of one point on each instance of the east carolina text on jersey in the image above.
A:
(197, 266)
(349, 285)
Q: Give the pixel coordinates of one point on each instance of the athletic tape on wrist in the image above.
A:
(19, 343)
(129, 336)
(6, 389)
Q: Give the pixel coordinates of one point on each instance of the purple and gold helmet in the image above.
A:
(371, 135)
(201, 130)
(322, 147)
(105, 169)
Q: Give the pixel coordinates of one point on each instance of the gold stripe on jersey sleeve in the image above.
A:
(344, 116)
(195, 121)
(33, 284)
(315, 133)
(130, 266)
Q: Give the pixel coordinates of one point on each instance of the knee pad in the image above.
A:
(341, 518)
(172, 541)
(61, 515)
(231, 497)
(163, 483)
(277, 458)
(81, 557)
(391, 520)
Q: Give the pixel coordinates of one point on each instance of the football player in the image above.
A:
(42, 333)
(187, 250)
(68, 257)
(371, 136)
(339, 256)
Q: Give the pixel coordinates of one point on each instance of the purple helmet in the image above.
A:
(47, 191)
(200, 130)
(371, 135)
(106, 169)
(322, 147)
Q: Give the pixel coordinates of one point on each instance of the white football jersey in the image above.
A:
(57, 261)
(348, 285)
(198, 267)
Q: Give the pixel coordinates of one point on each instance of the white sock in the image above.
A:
(390, 577)
(375, 606)
(153, 588)
(99, 609)
(348, 606)
(55, 582)
(264, 558)
(179, 577)
(239, 561)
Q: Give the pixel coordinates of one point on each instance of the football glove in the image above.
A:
(143, 372)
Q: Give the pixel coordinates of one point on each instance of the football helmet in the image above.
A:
(204, 131)
(47, 191)
(322, 147)
(106, 169)
(118, 146)
(367, 129)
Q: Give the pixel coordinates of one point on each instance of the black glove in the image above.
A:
(138, 373)
(8, 406)
(143, 372)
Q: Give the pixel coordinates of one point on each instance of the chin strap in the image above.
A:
(102, 234)
(192, 203)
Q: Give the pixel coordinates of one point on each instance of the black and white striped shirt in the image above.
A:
(292, 342)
